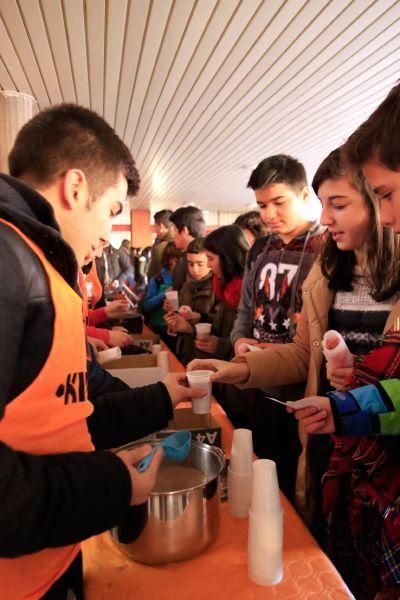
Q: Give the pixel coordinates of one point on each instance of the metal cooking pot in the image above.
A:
(176, 525)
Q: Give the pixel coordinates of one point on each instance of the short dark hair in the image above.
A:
(196, 246)
(278, 169)
(170, 251)
(190, 217)
(230, 245)
(163, 217)
(381, 248)
(71, 136)
(253, 222)
(378, 137)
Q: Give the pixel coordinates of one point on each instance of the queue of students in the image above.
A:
(60, 411)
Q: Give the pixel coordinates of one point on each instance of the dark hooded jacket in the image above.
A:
(81, 494)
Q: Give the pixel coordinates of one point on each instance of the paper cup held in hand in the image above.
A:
(200, 379)
(110, 354)
(172, 297)
(202, 330)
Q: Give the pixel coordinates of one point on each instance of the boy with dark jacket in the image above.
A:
(71, 174)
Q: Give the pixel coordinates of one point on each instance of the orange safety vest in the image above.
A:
(49, 417)
(97, 288)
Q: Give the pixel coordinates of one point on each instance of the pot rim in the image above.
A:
(220, 454)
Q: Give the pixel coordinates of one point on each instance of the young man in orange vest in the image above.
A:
(70, 176)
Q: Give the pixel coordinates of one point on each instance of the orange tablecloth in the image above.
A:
(220, 571)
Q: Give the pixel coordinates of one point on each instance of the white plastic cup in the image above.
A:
(265, 544)
(163, 362)
(265, 494)
(172, 297)
(156, 348)
(110, 354)
(200, 379)
(202, 330)
(239, 493)
(338, 356)
(241, 460)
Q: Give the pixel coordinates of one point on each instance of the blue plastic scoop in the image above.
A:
(176, 447)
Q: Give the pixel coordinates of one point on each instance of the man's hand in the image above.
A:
(177, 324)
(224, 371)
(339, 378)
(97, 344)
(142, 483)
(240, 347)
(119, 338)
(314, 420)
(177, 386)
(167, 307)
(116, 308)
(207, 344)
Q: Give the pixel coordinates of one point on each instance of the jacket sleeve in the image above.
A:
(242, 327)
(99, 334)
(123, 414)
(153, 298)
(59, 499)
(155, 261)
(48, 500)
(128, 415)
(373, 409)
(96, 316)
(281, 364)
(125, 266)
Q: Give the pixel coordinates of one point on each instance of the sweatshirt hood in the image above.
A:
(29, 211)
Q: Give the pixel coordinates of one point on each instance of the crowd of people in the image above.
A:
(268, 286)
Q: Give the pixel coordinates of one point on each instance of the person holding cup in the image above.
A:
(226, 249)
(197, 302)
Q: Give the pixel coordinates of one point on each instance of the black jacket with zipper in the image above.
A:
(59, 499)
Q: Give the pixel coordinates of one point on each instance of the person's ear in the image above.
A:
(185, 231)
(306, 194)
(75, 189)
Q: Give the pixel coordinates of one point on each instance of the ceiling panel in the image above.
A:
(201, 90)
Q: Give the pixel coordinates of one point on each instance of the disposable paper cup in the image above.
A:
(202, 330)
(156, 348)
(200, 379)
(242, 452)
(110, 354)
(239, 494)
(172, 297)
(265, 542)
(265, 496)
(163, 361)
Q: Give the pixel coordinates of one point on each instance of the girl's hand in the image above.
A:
(208, 344)
(339, 378)
(116, 308)
(240, 345)
(224, 371)
(177, 324)
(314, 419)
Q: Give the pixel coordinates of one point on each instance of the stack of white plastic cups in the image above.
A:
(240, 473)
(265, 539)
(163, 362)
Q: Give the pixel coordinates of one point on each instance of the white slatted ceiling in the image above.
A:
(201, 90)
